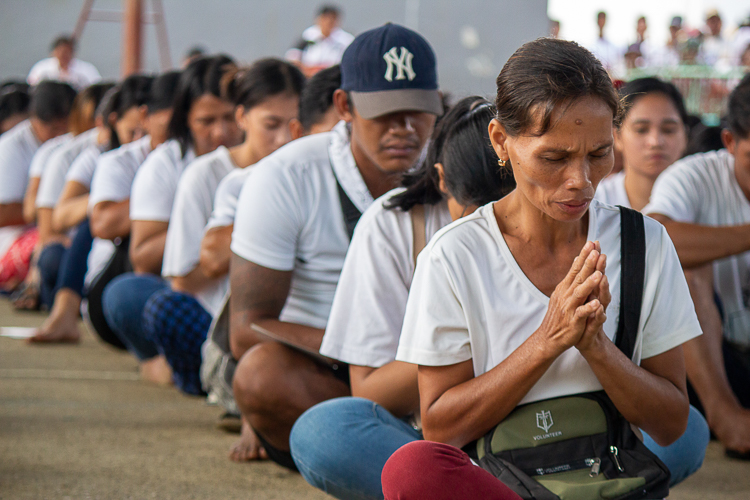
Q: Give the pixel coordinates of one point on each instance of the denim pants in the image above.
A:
(123, 301)
(340, 446)
(49, 262)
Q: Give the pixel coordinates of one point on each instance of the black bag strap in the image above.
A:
(350, 211)
(633, 272)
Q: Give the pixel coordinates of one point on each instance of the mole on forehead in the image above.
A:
(579, 121)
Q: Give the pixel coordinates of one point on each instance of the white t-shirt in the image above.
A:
(112, 181)
(314, 50)
(227, 194)
(289, 218)
(53, 178)
(154, 187)
(82, 168)
(43, 154)
(80, 74)
(609, 55)
(370, 301)
(612, 191)
(702, 189)
(193, 204)
(17, 147)
(470, 300)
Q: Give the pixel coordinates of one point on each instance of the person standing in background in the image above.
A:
(715, 48)
(63, 66)
(608, 53)
(322, 45)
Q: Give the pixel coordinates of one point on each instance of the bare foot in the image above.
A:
(157, 371)
(248, 447)
(61, 326)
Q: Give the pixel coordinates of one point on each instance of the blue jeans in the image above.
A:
(123, 301)
(685, 456)
(49, 262)
(75, 262)
(340, 446)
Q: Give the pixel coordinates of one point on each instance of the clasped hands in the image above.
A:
(577, 308)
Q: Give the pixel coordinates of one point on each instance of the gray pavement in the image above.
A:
(77, 423)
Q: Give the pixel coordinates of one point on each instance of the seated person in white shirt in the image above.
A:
(293, 226)
(651, 135)
(50, 106)
(317, 114)
(459, 173)
(518, 302)
(322, 44)
(14, 104)
(266, 96)
(63, 66)
(53, 243)
(703, 202)
(202, 120)
(124, 115)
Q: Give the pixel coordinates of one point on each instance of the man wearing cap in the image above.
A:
(294, 221)
(715, 48)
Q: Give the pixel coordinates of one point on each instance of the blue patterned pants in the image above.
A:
(178, 325)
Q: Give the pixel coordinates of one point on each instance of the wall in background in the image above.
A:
(472, 38)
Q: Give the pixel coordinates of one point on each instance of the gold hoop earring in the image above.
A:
(502, 163)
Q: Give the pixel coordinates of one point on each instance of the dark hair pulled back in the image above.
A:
(248, 87)
(635, 89)
(543, 75)
(202, 76)
(133, 92)
(462, 145)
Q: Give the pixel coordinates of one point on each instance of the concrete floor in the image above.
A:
(76, 423)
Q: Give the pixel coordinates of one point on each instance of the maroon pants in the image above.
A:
(424, 469)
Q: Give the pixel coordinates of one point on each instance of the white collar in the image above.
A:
(345, 168)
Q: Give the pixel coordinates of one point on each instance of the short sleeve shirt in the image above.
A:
(289, 218)
(155, 184)
(370, 300)
(702, 189)
(53, 179)
(612, 191)
(17, 148)
(193, 205)
(227, 194)
(471, 301)
(43, 154)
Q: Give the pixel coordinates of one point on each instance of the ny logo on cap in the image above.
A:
(401, 62)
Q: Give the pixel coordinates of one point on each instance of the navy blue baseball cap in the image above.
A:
(389, 69)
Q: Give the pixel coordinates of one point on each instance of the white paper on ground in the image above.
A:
(17, 332)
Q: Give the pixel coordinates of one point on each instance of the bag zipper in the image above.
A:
(595, 464)
(616, 456)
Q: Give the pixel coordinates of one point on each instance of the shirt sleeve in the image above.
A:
(184, 235)
(14, 175)
(671, 320)
(153, 190)
(269, 217)
(52, 181)
(83, 167)
(435, 331)
(368, 308)
(677, 193)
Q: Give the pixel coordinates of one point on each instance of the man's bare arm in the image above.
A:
(704, 363)
(697, 244)
(258, 296)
